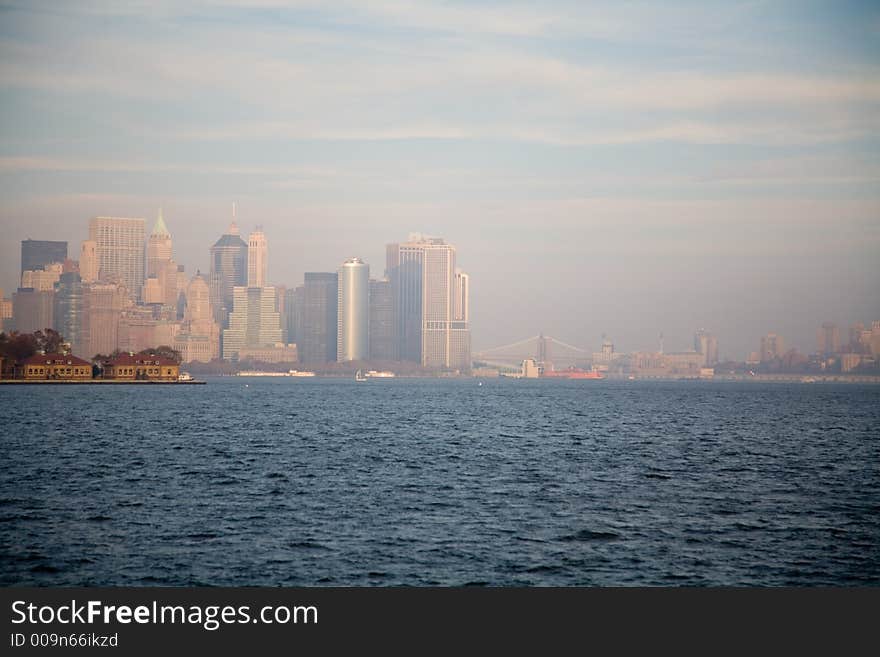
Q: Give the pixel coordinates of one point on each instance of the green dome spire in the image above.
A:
(160, 228)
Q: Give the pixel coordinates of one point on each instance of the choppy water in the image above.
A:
(298, 482)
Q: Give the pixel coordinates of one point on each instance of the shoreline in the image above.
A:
(98, 381)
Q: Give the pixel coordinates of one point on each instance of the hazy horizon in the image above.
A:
(619, 169)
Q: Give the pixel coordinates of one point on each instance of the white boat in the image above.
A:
(373, 374)
(184, 376)
(360, 376)
(263, 374)
(300, 373)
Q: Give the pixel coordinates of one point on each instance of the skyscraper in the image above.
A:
(36, 254)
(257, 258)
(460, 331)
(229, 260)
(828, 339)
(706, 344)
(253, 321)
(404, 262)
(104, 303)
(772, 347)
(438, 293)
(33, 310)
(119, 245)
(293, 315)
(88, 261)
(68, 315)
(382, 347)
(161, 268)
(319, 322)
(430, 303)
(199, 337)
(353, 311)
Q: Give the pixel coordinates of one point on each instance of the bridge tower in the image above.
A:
(542, 355)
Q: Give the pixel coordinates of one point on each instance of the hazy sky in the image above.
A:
(619, 167)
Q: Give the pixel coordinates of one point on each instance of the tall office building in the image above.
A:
(430, 303)
(103, 306)
(229, 261)
(445, 339)
(828, 339)
(257, 258)
(161, 283)
(772, 347)
(460, 329)
(69, 311)
(461, 299)
(319, 320)
(88, 261)
(706, 344)
(33, 310)
(119, 245)
(404, 263)
(353, 311)
(292, 320)
(199, 336)
(382, 346)
(6, 320)
(253, 321)
(36, 254)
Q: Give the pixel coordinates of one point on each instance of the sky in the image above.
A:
(616, 168)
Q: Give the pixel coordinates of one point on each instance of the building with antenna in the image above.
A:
(229, 263)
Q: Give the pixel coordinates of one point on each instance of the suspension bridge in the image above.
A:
(548, 352)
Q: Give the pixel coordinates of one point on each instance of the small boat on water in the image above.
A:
(184, 376)
(360, 376)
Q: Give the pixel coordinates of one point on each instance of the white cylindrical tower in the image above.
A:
(353, 323)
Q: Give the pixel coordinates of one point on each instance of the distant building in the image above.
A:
(430, 303)
(530, 369)
(445, 339)
(353, 311)
(5, 313)
(828, 339)
(42, 280)
(278, 353)
(141, 368)
(317, 344)
(404, 263)
(146, 327)
(706, 344)
(292, 319)
(36, 254)
(88, 261)
(55, 367)
(849, 362)
(33, 310)
(69, 312)
(772, 347)
(253, 321)
(684, 362)
(382, 343)
(119, 246)
(607, 355)
(161, 282)
(229, 263)
(199, 335)
(257, 259)
(103, 305)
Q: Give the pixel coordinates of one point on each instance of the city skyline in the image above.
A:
(248, 266)
(607, 169)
